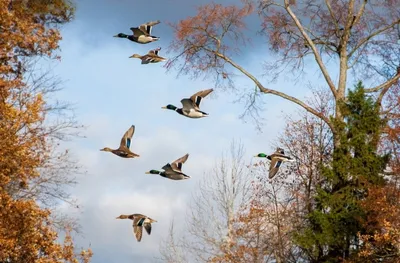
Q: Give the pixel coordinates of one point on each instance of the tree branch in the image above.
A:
(366, 39)
(271, 91)
(328, 5)
(314, 49)
(360, 12)
(384, 85)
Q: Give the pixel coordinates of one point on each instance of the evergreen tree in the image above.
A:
(337, 217)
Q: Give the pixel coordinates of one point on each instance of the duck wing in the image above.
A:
(280, 154)
(154, 51)
(146, 59)
(177, 164)
(138, 227)
(198, 96)
(282, 157)
(127, 138)
(147, 226)
(167, 168)
(137, 31)
(274, 167)
(146, 27)
(280, 151)
(188, 105)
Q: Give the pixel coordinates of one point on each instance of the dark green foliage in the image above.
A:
(331, 234)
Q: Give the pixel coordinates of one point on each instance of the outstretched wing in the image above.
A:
(147, 226)
(138, 228)
(126, 139)
(177, 164)
(146, 59)
(167, 167)
(280, 151)
(280, 154)
(137, 31)
(146, 27)
(198, 96)
(187, 105)
(154, 51)
(274, 167)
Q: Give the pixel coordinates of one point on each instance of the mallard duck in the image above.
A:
(151, 57)
(139, 221)
(277, 158)
(141, 34)
(173, 171)
(191, 105)
(123, 150)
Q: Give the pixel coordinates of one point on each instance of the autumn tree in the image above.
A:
(381, 240)
(346, 41)
(337, 218)
(32, 168)
(355, 36)
(278, 207)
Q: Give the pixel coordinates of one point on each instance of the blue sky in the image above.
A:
(111, 92)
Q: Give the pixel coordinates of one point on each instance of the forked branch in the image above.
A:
(272, 91)
(385, 85)
(310, 42)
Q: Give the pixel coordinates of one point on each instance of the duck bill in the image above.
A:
(164, 107)
(147, 172)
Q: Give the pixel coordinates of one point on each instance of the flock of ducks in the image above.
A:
(191, 109)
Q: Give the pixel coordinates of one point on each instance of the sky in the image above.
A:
(111, 92)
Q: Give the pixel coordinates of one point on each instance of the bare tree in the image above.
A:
(211, 215)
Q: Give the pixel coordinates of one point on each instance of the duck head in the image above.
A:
(121, 35)
(169, 107)
(135, 56)
(106, 149)
(122, 217)
(153, 172)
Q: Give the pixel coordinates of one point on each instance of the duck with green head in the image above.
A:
(139, 221)
(142, 33)
(277, 158)
(124, 147)
(174, 170)
(191, 106)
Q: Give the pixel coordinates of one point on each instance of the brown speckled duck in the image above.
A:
(151, 57)
(123, 150)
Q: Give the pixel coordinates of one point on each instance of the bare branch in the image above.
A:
(317, 56)
(372, 35)
(271, 91)
(385, 85)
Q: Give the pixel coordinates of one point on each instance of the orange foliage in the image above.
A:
(262, 229)
(205, 32)
(382, 244)
(26, 230)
